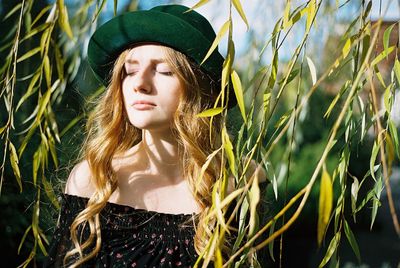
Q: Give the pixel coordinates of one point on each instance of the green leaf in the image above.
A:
(352, 240)
(292, 76)
(382, 55)
(376, 203)
(49, 189)
(337, 97)
(28, 54)
(47, 70)
(286, 14)
(375, 150)
(346, 48)
(63, 19)
(239, 9)
(387, 99)
(397, 71)
(395, 136)
(271, 245)
(24, 237)
(296, 16)
(274, 70)
(30, 90)
(312, 70)
(228, 150)
(237, 87)
(41, 13)
(331, 249)
(14, 164)
(210, 112)
(325, 204)
(217, 39)
(386, 36)
(12, 11)
(227, 68)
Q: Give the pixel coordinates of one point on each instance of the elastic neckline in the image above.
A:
(129, 209)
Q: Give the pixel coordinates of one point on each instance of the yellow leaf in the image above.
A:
(210, 112)
(228, 150)
(14, 164)
(239, 9)
(218, 258)
(28, 54)
(217, 39)
(325, 204)
(47, 70)
(237, 87)
(254, 199)
(199, 4)
(63, 19)
(286, 14)
(311, 14)
(346, 49)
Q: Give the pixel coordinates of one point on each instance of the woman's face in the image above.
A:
(151, 90)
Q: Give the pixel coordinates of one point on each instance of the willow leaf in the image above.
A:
(313, 71)
(254, 199)
(375, 150)
(14, 164)
(210, 112)
(376, 203)
(239, 8)
(286, 14)
(352, 240)
(355, 187)
(325, 204)
(28, 54)
(237, 87)
(199, 4)
(47, 70)
(35, 165)
(382, 55)
(12, 11)
(50, 192)
(346, 48)
(397, 71)
(41, 13)
(217, 39)
(393, 132)
(63, 19)
(24, 237)
(311, 12)
(228, 147)
(331, 249)
(386, 37)
(29, 91)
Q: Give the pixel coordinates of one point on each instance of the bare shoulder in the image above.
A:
(80, 181)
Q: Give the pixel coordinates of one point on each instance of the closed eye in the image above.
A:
(166, 73)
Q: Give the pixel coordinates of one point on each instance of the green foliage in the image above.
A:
(294, 117)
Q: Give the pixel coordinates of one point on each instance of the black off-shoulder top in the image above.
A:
(130, 237)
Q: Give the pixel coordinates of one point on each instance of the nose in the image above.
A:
(142, 82)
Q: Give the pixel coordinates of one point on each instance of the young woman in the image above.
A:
(136, 198)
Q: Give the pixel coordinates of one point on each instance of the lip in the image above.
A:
(143, 105)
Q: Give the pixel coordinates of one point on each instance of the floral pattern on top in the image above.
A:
(130, 237)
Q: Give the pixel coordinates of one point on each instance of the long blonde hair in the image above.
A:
(110, 132)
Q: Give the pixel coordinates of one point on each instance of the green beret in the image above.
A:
(169, 25)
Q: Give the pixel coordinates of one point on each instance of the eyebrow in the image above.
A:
(133, 61)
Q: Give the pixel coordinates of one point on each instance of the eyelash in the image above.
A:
(163, 73)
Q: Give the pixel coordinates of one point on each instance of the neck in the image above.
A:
(160, 149)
